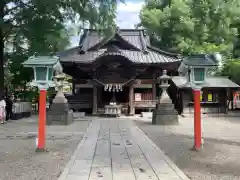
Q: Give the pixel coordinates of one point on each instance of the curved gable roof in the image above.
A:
(105, 41)
(138, 50)
(133, 38)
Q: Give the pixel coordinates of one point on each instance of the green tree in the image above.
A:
(196, 26)
(232, 70)
(169, 25)
(31, 24)
(191, 26)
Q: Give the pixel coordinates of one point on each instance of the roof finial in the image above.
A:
(164, 72)
(117, 28)
(144, 32)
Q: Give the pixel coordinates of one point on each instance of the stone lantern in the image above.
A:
(59, 79)
(43, 68)
(164, 113)
(59, 112)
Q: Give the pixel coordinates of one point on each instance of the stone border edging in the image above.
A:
(67, 168)
(168, 160)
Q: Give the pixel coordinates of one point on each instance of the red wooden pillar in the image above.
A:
(197, 119)
(42, 120)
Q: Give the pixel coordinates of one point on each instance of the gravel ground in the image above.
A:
(219, 159)
(18, 159)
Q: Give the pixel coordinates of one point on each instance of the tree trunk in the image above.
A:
(1, 51)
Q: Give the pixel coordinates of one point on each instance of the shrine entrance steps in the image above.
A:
(116, 149)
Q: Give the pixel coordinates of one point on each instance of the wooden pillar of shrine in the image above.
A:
(131, 100)
(95, 101)
(232, 92)
(154, 92)
(99, 97)
(73, 87)
(223, 100)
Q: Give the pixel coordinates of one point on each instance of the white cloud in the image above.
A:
(128, 14)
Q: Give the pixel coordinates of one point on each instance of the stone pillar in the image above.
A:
(95, 101)
(131, 99)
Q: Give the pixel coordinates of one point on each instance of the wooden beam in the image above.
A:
(84, 86)
(143, 86)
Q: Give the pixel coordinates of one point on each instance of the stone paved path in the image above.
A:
(117, 150)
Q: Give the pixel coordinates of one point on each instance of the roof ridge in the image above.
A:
(143, 42)
(85, 33)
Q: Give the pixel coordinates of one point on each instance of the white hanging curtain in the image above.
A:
(113, 87)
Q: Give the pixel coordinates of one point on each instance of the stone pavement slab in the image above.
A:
(115, 149)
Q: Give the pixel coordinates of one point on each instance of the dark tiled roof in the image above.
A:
(137, 42)
(92, 38)
(211, 82)
(134, 56)
(91, 41)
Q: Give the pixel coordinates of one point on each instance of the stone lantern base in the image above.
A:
(59, 112)
(165, 114)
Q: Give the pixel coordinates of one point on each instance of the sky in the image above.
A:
(128, 13)
(127, 16)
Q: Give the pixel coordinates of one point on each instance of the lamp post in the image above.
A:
(43, 67)
(196, 68)
(197, 118)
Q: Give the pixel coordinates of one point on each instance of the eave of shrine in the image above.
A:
(210, 82)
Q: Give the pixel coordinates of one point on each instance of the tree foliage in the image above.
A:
(191, 26)
(232, 69)
(195, 26)
(37, 26)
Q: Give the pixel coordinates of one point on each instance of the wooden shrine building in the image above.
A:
(121, 69)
